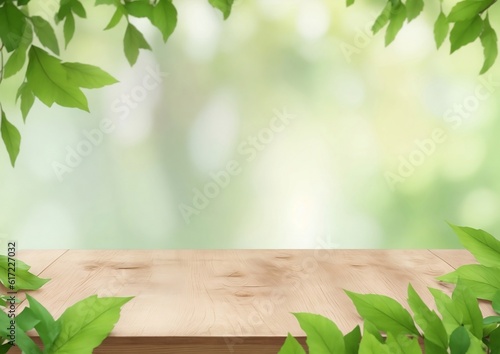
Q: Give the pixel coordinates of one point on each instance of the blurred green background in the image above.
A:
(354, 168)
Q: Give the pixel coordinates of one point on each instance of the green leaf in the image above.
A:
(27, 320)
(483, 246)
(69, 29)
(139, 8)
(450, 311)
(465, 32)
(25, 343)
(223, 5)
(494, 344)
(386, 313)
(370, 345)
(12, 25)
(24, 279)
(323, 336)
(133, 41)
(495, 302)
(402, 344)
(491, 320)
(4, 348)
(164, 17)
(78, 9)
(27, 99)
(468, 305)
(352, 340)
(88, 76)
(17, 59)
(47, 328)
(349, 3)
(383, 18)
(86, 324)
(459, 341)
(428, 320)
(11, 139)
(398, 17)
(373, 330)
(117, 16)
(45, 33)
(47, 78)
(414, 8)
(291, 346)
(468, 9)
(440, 29)
(484, 282)
(489, 42)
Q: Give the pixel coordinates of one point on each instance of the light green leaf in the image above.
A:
(352, 340)
(386, 313)
(27, 99)
(117, 16)
(459, 341)
(495, 302)
(164, 17)
(27, 320)
(450, 311)
(323, 336)
(490, 48)
(223, 5)
(383, 18)
(86, 324)
(69, 28)
(440, 29)
(25, 343)
(373, 330)
(402, 344)
(465, 32)
(24, 279)
(133, 41)
(47, 78)
(370, 345)
(12, 141)
(413, 8)
(483, 281)
(45, 33)
(398, 17)
(483, 246)
(17, 59)
(428, 320)
(88, 76)
(78, 9)
(48, 329)
(349, 3)
(468, 305)
(291, 346)
(12, 25)
(468, 9)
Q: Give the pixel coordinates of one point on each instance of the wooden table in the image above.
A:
(229, 301)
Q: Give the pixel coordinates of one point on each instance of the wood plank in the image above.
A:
(455, 258)
(228, 293)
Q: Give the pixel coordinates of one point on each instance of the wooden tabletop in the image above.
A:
(229, 301)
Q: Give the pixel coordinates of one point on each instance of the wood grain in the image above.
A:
(232, 301)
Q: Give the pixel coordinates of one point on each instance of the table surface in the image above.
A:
(230, 301)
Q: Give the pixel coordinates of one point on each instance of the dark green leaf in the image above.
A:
(11, 139)
(490, 47)
(164, 17)
(413, 8)
(484, 247)
(459, 341)
(468, 9)
(494, 344)
(386, 313)
(484, 282)
(291, 346)
(396, 21)
(323, 336)
(133, 41)
(139, 8)
(223, 5)
(27, 320)
(86, 324)
(468, 305)
(88, 76)
(428, 320)
(78, 9)
(12, 25)
(25, 343)
(352, 340)
(383, 18)
(465, 32)
(45, 33)
(440, 29)
(69, 28)
(117, 16)
(47, 78)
